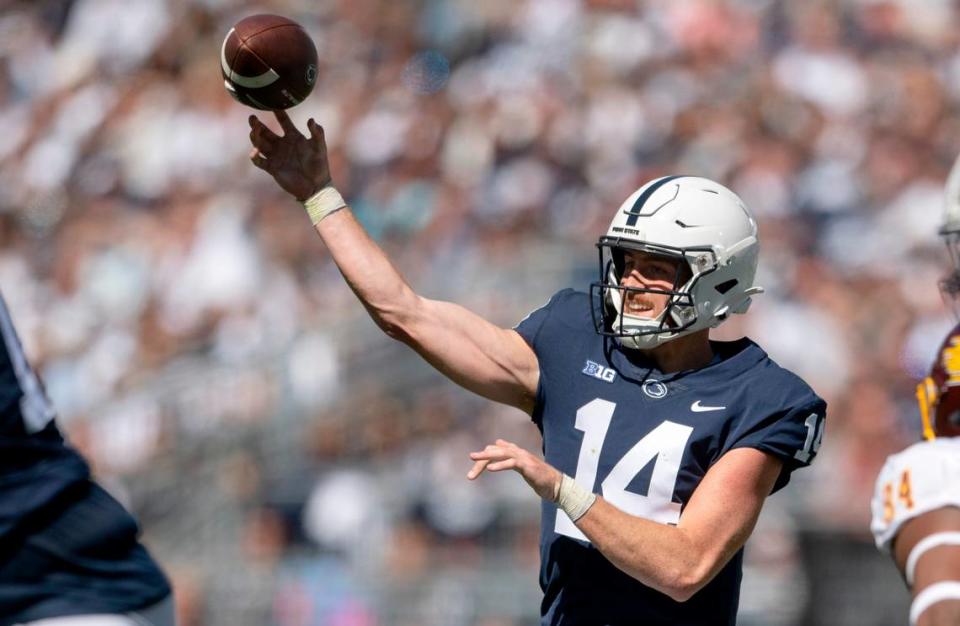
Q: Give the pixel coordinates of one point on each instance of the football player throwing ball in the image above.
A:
(660, 444)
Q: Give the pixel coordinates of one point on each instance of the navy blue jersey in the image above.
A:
(644, 440)
(66, 546)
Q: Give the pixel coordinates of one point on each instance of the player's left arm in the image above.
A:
(916, 519)
(680, 560)
(675, 560)
(927, 552)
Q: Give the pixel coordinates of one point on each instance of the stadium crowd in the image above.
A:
(293, 467)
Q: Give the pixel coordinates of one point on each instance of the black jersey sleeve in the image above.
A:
(793, 435)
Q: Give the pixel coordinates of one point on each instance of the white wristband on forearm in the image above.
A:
(573, 499)
(321, 204)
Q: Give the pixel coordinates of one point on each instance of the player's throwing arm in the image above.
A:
(491, 361)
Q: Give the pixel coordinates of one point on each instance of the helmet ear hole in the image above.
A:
(726, 286)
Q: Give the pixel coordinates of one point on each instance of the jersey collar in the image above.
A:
(730, 358)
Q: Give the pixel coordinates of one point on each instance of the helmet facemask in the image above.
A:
(950, 284)
(950, 231)
(680, 311)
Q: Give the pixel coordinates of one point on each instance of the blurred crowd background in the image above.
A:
(291, 465)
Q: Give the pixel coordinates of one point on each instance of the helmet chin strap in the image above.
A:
(641, 342)
(647, 340)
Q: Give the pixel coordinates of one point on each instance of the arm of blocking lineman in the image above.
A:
(927, 551)
(493, 362)
(680, 560)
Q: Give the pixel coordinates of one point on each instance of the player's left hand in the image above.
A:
(503, 455)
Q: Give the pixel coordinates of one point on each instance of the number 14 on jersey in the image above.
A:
(665, 444)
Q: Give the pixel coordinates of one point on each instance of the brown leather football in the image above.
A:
(268, 62)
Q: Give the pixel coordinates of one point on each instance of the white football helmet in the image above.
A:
(950, 231)
(701, 223)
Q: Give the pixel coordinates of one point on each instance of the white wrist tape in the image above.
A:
(937, 592)
(928, 543)
(323, 203)
(573, 499)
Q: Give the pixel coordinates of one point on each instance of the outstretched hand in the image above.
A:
(298, 164)
(503, 455)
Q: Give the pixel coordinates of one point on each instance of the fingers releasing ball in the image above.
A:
(268, 62)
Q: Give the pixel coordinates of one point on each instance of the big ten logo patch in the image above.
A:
(606, 374)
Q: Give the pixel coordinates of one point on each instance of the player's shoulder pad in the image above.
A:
(787, 387)
(780, 414)
(943, 449)
(776, 393)
(921, 478)
(567, 308)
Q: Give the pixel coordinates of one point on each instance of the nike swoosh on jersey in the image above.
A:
(696, 407)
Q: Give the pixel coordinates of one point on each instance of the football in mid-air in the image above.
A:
(269, 62)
